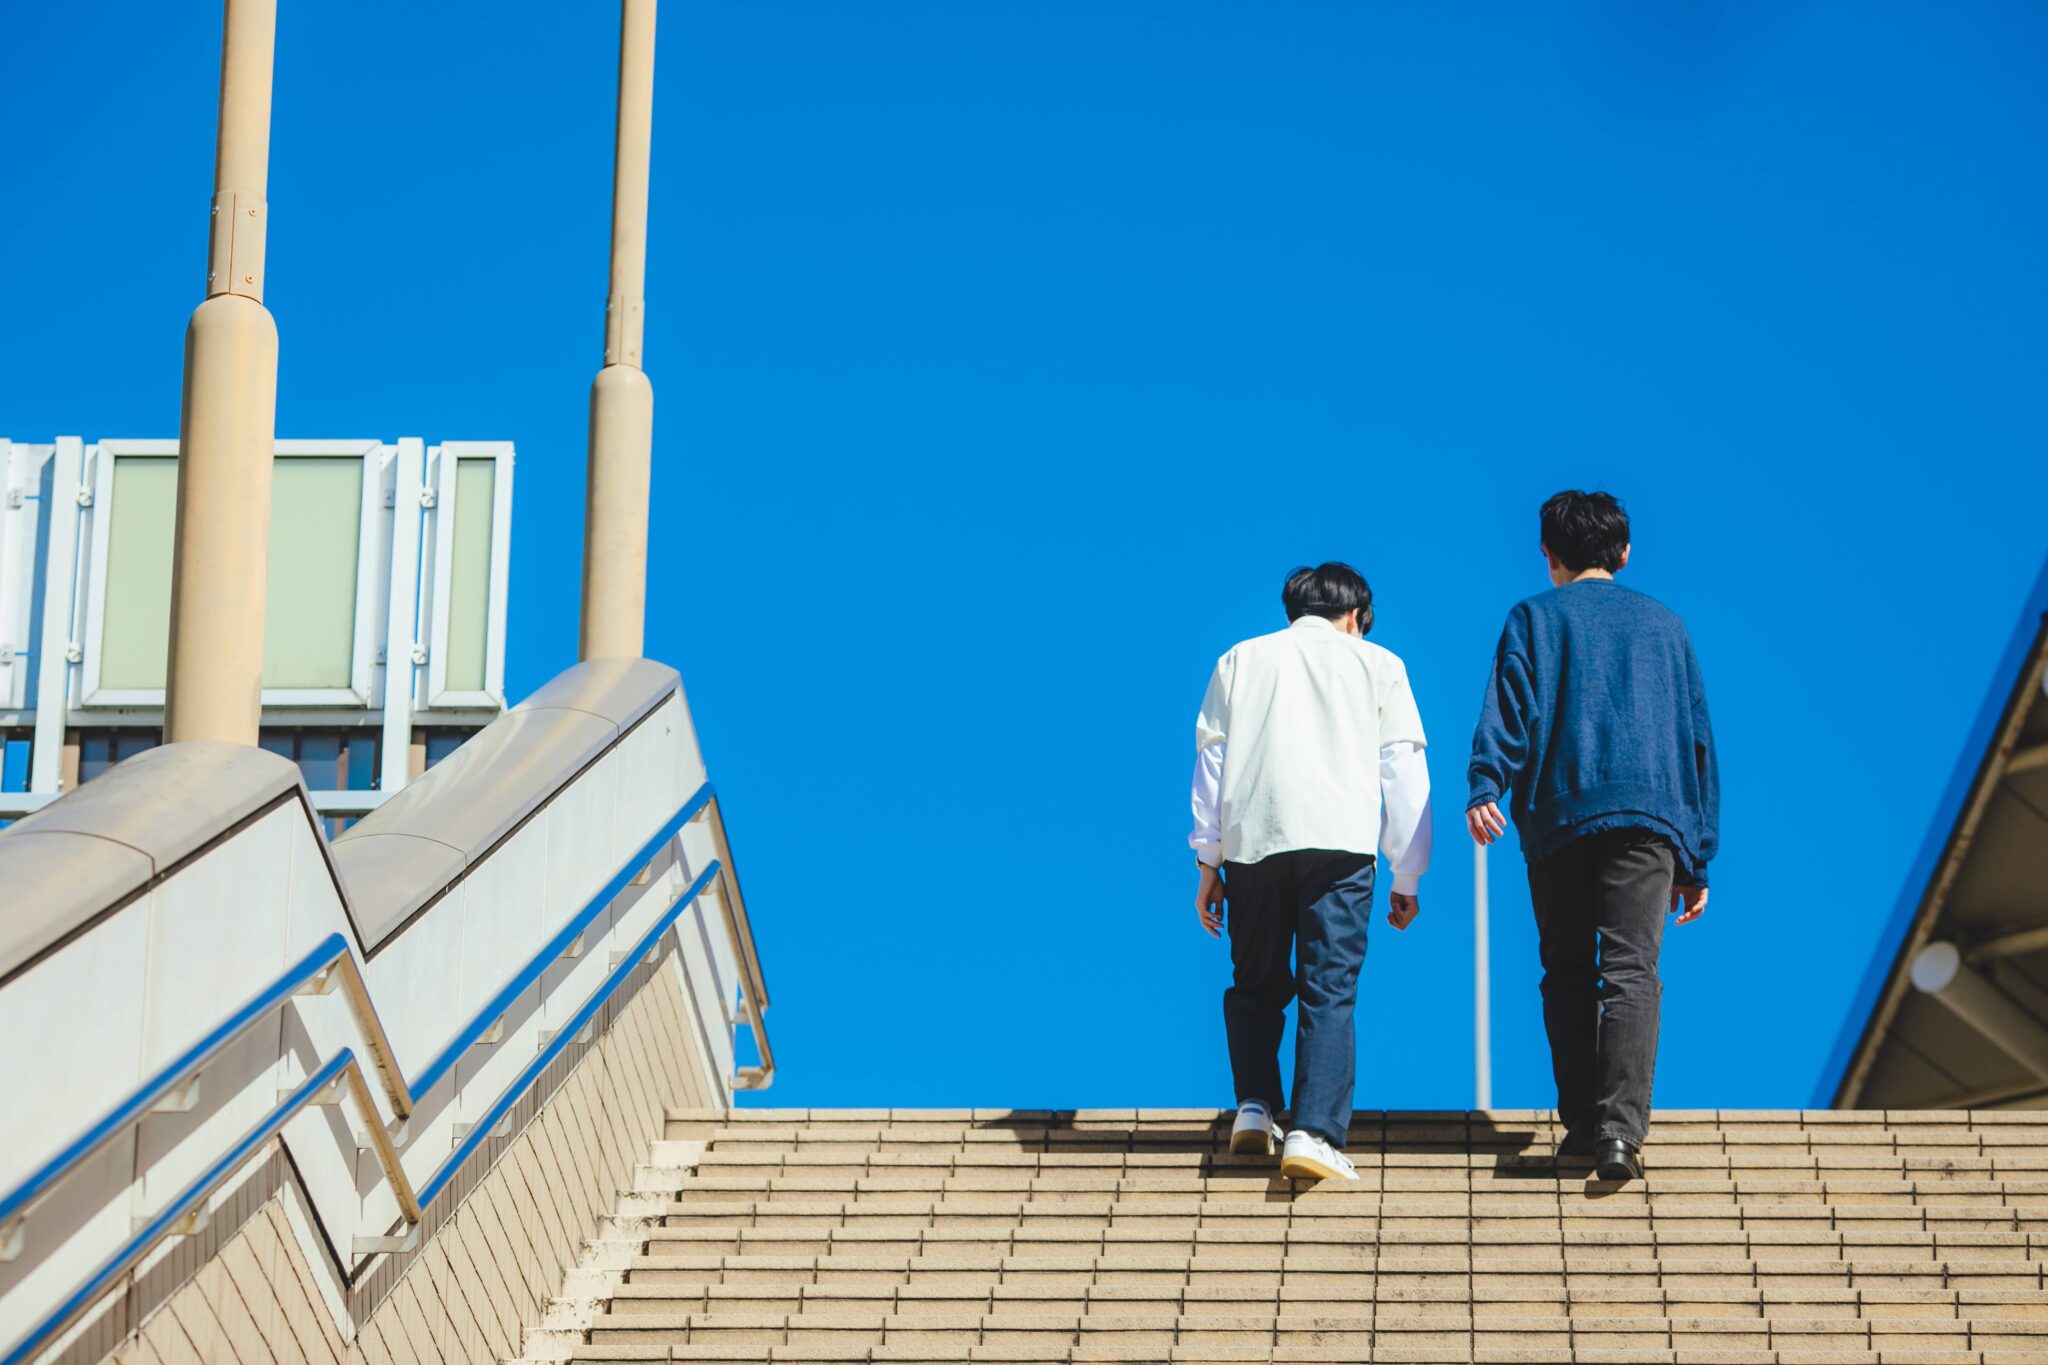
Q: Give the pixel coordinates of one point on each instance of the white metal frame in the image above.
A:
(401, 628)
(20, 473)
(52, 615)
(60, 599)
(362, 660)
(443, 460)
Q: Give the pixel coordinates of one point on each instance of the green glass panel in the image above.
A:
(316, 508)
(136, 633)
(315, 524)
(469, 576)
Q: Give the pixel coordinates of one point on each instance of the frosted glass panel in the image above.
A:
(136, 639)
(316, 513)
(469, 575)
(315, 523)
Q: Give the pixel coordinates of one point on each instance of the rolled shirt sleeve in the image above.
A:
(1207, 801)
(1405, 828)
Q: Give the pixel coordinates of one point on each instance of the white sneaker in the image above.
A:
(1308, 1157)
(1255, 1133)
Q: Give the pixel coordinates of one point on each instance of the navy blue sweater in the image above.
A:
(1595, 719)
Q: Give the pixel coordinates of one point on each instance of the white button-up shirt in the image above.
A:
(1309, 738)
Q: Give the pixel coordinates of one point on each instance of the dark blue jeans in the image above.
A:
(1312, 906)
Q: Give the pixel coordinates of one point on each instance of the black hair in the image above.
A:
(1585, 530)
(1328, 590)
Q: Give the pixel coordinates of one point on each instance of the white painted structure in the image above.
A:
(421, 617)
(158, 898)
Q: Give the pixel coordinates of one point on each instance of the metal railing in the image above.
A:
(332, 966)
(753, 985)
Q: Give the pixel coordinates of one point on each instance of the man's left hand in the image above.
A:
(1402, 909)
(1209, 900)
(1688, 903)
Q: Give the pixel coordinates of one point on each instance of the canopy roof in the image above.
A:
(1969, 1027)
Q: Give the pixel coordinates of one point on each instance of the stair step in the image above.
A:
(1265, 1325)
(1307, 1328)
(1536, 1146)
(1129, 1191)
(1355, 1280)
(1663, 1196)
(1901, 1119)
(1468, 1352)
(1490, 1294)
(1363, 1221)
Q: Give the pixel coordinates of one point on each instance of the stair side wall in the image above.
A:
(485, 1273)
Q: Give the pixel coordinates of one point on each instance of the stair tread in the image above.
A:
(1395, 1318)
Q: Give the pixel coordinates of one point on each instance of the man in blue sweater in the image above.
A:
(1595, 733)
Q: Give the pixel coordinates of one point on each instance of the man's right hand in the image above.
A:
(1688, 903)
(1209, 900)
(1485, 823)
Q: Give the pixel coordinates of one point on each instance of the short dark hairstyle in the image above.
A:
(1585, 530)
(1328, 590)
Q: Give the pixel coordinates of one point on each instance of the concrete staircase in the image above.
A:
(968, 1235)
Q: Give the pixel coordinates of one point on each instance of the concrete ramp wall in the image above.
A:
(527, 955)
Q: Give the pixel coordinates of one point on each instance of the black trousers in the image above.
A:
(1297, 931)
(1600, 907)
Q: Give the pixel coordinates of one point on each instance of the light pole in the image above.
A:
(621, 399)
(228, 421)
(1482, 1022)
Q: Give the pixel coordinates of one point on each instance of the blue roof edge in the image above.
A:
(1975, 750)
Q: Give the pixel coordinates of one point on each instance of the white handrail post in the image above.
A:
(1482, 1026)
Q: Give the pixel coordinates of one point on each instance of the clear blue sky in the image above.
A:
(1007, 355)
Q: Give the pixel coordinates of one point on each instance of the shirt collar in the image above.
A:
(1312, 621)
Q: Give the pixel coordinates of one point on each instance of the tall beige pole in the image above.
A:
(229, 422)
(622, 401)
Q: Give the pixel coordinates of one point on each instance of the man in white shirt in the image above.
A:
(1308, 767)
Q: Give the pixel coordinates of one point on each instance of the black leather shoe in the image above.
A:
(1616, 1160)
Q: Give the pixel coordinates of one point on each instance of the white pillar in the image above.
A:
(622, 399)
(228, 425)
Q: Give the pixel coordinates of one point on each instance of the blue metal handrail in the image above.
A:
(564, 1036)
(550, 952)
(186, 1200)
(331, 957)
(173, 1074)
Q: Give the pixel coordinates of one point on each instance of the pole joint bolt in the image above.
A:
(625, 325)
(235, 247)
